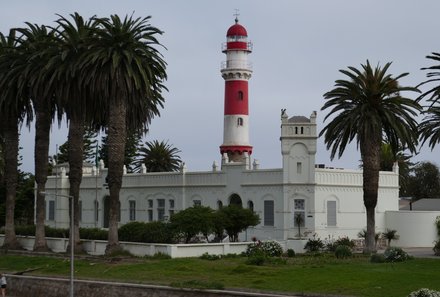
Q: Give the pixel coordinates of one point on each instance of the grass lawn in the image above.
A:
(302, 274)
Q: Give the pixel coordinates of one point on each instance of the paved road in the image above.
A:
(421, 252)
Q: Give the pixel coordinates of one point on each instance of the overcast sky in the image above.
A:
(299, 46)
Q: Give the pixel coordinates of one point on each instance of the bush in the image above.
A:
(424, 293)
(346, 242)
(377, 258)
(93, 233)
(290, 253)
(395, 254)
(272, 248)
(209, 257)
(257, 258)
(314, 245)
(343, 251)
(152, 232)
(436, 248)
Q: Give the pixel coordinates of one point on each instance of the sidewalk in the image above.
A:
(421, 252)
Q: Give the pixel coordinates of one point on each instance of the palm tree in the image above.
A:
(369, 107)
(38, 44)
(14, 108)
(159, 157)
(390, 235)
(124, 73)
(73, 98)
(430, 128)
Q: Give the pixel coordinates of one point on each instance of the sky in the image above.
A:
(298, 49)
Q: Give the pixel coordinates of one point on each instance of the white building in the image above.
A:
(329, 200)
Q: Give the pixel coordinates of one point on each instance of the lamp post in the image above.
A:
(72, 236)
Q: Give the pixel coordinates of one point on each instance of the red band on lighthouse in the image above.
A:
(236, 97)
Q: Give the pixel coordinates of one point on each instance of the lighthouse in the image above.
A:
(236, 71)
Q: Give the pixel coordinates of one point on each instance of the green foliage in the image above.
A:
(331, 246)
(89, 151)
(343, 251)
(437, 224)
(271, 248)
(395, 254)
(314, 245)
(236, 219)
(256, 258)
(377, 258)
(424, 292)
(193, 220)
(151, 232)
(290, 253)
(390, 235)
(158, 157)
(424, 181)
(209, 257)
(93, 233)
(436, 248)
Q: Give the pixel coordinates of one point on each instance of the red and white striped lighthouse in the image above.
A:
(236, 71)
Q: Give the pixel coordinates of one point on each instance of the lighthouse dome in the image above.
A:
(236, 30)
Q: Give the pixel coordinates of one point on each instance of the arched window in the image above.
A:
(296, 130)
(235, 200)
(251, 205)
(240, 95)
(302, 130)
(331, 213)
(240, 121)
(219, 204)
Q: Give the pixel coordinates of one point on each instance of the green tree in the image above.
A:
(192, 221)
(89, 151)
(14, 107)
(159, 157)
(424, 181)
(37, 45)
(124, 73)
(368, 106)
(236, 219)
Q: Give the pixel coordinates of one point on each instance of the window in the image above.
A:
(150, 215)
(96, 211)
(299, 213)
(51, 213)
(160, 209)
(302, 130)
(150, 203)
(240, 95)
(171, 212)
(197, 203)
(240, 121)
(219, 204)
(132, 210)
(251, 205)
(331, 213)
(298, 167)
(171, 204)
(80, 214)
(296, 130)
(269, 213)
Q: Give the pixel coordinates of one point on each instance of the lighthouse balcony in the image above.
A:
(236, 64)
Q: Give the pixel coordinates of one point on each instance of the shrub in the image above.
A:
(343, 251)
(436, 248)
(290, 253)
(257, 258)
(345, 241)
(152, 232)
(209, 257)
(314, 245)
(395, 254)
(272, 248)
(252, 248)
(93, 233)
(377, 258)
(424, 293)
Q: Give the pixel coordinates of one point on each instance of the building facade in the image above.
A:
(301, 198)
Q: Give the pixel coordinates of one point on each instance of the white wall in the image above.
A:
(415, 228)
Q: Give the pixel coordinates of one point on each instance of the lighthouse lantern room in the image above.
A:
(236, 71)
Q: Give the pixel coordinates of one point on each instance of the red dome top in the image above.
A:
(236, 30)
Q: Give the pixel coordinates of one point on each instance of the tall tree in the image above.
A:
(159, 157)
(430, 126)
(14, 107)
(424, 181)
(369, 107)
(73, 98)
(125, 73)
(38, 44)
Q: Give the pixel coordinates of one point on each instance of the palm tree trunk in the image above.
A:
(116, 146)
(10, 126)
(43, 120)
(75, 151)
(370, 152)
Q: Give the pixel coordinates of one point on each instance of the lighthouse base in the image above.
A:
(236, 153)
